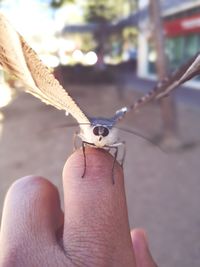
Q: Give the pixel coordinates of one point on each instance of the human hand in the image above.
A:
(93, 231)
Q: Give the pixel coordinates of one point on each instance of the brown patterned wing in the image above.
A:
(163, 88)
(19, 59)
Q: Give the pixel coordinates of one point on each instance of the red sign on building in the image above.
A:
(182, 26)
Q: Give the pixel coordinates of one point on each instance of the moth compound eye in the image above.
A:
(105, 131)
(100, 130)
(96, 130)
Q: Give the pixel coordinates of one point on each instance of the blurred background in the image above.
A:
(107, 53)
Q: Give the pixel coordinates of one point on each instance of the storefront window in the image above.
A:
(175, 51)
(178, 51)
(191, 45)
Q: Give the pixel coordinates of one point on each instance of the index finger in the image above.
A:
(96, 217)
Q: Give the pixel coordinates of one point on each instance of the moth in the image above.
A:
(20, 60)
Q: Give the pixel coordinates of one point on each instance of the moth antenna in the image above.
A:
(65, 125)
(71, 125)
(137, 134)
(119, 114)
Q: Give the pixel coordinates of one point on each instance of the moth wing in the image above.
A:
(163, 88)
(20, 60)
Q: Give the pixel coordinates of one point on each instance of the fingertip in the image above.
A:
(33, 203)
(30, 220)
(139, 234)
(98, 166)
(30, 183)
(140, 240)
(142, 253)
(31, 190)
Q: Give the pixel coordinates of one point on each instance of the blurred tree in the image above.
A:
(168, 108)
(103, 12)
(133, 5)
(107, 10)
(59, 3)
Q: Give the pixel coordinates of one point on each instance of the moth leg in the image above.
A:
(75, 136)
(115, 146)
(84, 157)
(123, 154)
(123, 144)
(84, 143)
(114, 161)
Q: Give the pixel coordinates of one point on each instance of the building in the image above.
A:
(181, 26)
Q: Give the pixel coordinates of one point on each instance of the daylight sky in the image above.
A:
(32, 17)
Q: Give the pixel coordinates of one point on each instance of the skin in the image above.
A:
(93, 231)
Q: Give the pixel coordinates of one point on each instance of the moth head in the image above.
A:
(100, 132)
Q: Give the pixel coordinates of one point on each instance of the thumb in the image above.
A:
(142, 253)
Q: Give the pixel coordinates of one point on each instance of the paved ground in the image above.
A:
(163, 190)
